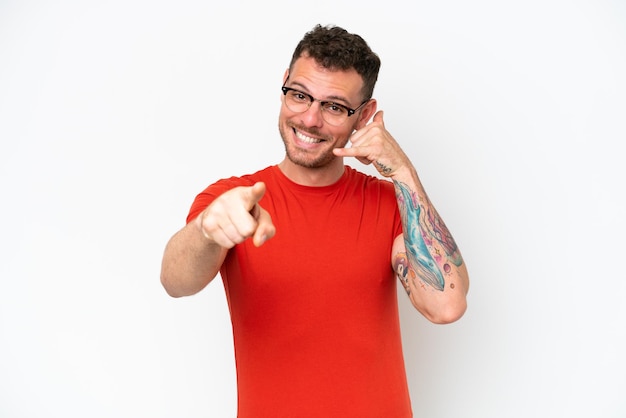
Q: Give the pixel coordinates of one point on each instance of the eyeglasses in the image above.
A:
(333, 113)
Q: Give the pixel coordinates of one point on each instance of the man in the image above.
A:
(308, 250)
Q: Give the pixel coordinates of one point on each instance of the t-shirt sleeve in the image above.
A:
(397, 219)
(390, 204)
(397, 224)
(208, 195)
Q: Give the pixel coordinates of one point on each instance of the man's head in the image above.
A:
(334, 48)
(327, 95)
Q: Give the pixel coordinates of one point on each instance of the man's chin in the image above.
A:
(309, 161)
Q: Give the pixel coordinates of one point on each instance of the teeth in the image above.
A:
(305, 138)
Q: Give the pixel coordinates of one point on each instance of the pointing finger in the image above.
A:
(254, 194)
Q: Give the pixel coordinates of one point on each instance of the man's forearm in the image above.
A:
(434, 275)
(416, 236)
(190, 262)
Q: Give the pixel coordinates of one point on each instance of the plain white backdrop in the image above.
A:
(114, 115)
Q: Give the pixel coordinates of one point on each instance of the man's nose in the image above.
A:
(313, 115)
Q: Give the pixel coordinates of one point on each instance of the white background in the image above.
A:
(114, 115)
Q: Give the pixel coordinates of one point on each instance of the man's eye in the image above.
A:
(335, 109)
(301, 97)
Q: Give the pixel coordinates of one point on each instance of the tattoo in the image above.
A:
(416, 238)
(382, 167)
(440, 232)
(404, 271)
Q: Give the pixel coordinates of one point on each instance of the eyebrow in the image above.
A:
(333, 99)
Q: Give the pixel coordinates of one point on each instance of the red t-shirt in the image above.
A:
(314, 310)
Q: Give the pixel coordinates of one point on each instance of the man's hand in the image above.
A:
(235, 216)
(374, 144)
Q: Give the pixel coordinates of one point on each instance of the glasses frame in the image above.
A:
(312, 99)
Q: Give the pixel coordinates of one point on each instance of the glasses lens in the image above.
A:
(297, 101)
(334, 114)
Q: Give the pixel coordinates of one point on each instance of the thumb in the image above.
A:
(378, 117)
(265, 228)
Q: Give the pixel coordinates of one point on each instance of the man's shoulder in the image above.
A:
(245, 179)
(368, 180)
(215, 189)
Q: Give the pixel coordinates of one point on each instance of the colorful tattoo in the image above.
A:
(440, 232)
(416, 238)
(403, 271)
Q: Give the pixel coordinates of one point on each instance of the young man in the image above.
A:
(308, 250)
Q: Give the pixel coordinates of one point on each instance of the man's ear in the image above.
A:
(285, 75)
(367, 112)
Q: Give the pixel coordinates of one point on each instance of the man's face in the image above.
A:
(308, 138)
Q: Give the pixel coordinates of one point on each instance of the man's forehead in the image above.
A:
(309, 74)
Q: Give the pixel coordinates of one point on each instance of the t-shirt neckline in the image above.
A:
(312, 189)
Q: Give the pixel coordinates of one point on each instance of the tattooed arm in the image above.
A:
(425, 257)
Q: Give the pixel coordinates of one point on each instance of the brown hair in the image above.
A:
(335, 48)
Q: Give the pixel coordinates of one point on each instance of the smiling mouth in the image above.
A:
(304, 138)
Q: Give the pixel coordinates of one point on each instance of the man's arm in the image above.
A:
(190, 262)
(425, 256)
(194, 255)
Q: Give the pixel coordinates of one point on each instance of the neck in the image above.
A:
(313, 177)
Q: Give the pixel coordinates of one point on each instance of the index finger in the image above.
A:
(253, 194)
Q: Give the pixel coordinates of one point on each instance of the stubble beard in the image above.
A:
(301, 157)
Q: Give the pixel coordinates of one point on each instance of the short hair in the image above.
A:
(335, 48)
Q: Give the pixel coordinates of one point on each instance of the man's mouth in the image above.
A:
(305, 138)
